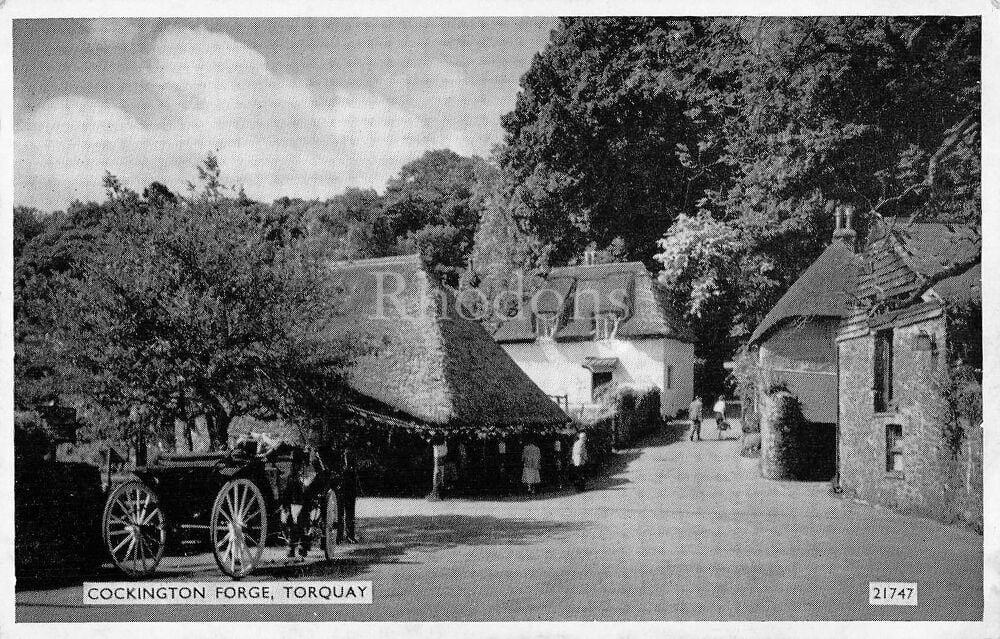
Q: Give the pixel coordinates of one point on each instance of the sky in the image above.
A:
(298, 107)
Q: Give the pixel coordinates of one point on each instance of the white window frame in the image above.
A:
(545, 325)
(605, 326)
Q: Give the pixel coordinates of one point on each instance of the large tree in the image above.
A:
(432, 206)
(203, 307)
(626, 125)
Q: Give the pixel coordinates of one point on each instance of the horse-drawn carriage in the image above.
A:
(238, 499)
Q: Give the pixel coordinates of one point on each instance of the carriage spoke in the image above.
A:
(150, 539)
(141, 551)
(249, 555)
(226, 539)
(149, 516)
(134, 507)
(248, 516)
(140, 508)
(228, 505)
(244, 504)
(130, 551)
(119, 546)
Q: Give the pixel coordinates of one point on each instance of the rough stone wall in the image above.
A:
(935, 481)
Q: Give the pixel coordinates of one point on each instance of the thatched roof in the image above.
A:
(430, 366)
(825, 289)
(576, 293)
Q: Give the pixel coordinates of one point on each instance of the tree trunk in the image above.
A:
(218, 425)
(189, 433)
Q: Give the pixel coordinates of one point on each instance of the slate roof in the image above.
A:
(963, 288)
(899, 262)
(902, 256)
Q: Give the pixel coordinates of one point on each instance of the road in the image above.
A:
(679, 531)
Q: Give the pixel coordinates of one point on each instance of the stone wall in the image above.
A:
(936, 480)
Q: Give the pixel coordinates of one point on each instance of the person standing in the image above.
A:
(557, 452)
(694, 414)
(531, 456)
(579, 459)
(720, 414)
(347, 497)
(440, 449)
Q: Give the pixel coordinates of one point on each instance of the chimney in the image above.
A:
(845, 227)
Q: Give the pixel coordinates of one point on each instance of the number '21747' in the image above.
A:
(892, 594)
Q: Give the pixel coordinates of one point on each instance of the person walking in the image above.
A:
(720, 415)
(579, 459)
(531, 456)
(694, 414)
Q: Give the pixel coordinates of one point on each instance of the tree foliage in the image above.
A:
(647, 128)
(432, 206)
(202, 308)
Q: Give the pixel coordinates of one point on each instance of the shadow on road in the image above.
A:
(388, 539)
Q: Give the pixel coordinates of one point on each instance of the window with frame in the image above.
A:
(605, 326)
(670, 376)
(894, 448)
(883, 371)
(600, 383)
(545, 325)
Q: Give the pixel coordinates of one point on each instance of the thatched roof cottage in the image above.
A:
(432, 368)
(591, 327)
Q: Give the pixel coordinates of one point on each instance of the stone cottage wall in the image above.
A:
(935, 481)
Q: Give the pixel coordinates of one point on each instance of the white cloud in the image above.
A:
(273, 133)
(116, 32)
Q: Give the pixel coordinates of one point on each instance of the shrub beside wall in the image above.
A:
(631, 414)
(790, 446)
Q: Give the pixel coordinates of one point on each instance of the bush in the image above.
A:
(627, 414)
(599, 441)
(636, 414)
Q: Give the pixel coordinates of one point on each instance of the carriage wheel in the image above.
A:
(135, 529)
(330, 525)
(239, 527)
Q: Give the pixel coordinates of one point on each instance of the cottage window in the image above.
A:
(894, 448)
(670, 376)
(600, 383)
(605, 325)
(883, 371)
(545, 325)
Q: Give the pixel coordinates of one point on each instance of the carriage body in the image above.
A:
(231, 500)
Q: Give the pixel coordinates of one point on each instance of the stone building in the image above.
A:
(886, 345)
(593, 327)
(795, 344)
(910, 391)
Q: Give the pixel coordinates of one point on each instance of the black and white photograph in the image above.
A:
(582, 314)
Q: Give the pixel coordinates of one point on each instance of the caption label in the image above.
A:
(885, 593)
(218, 593)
